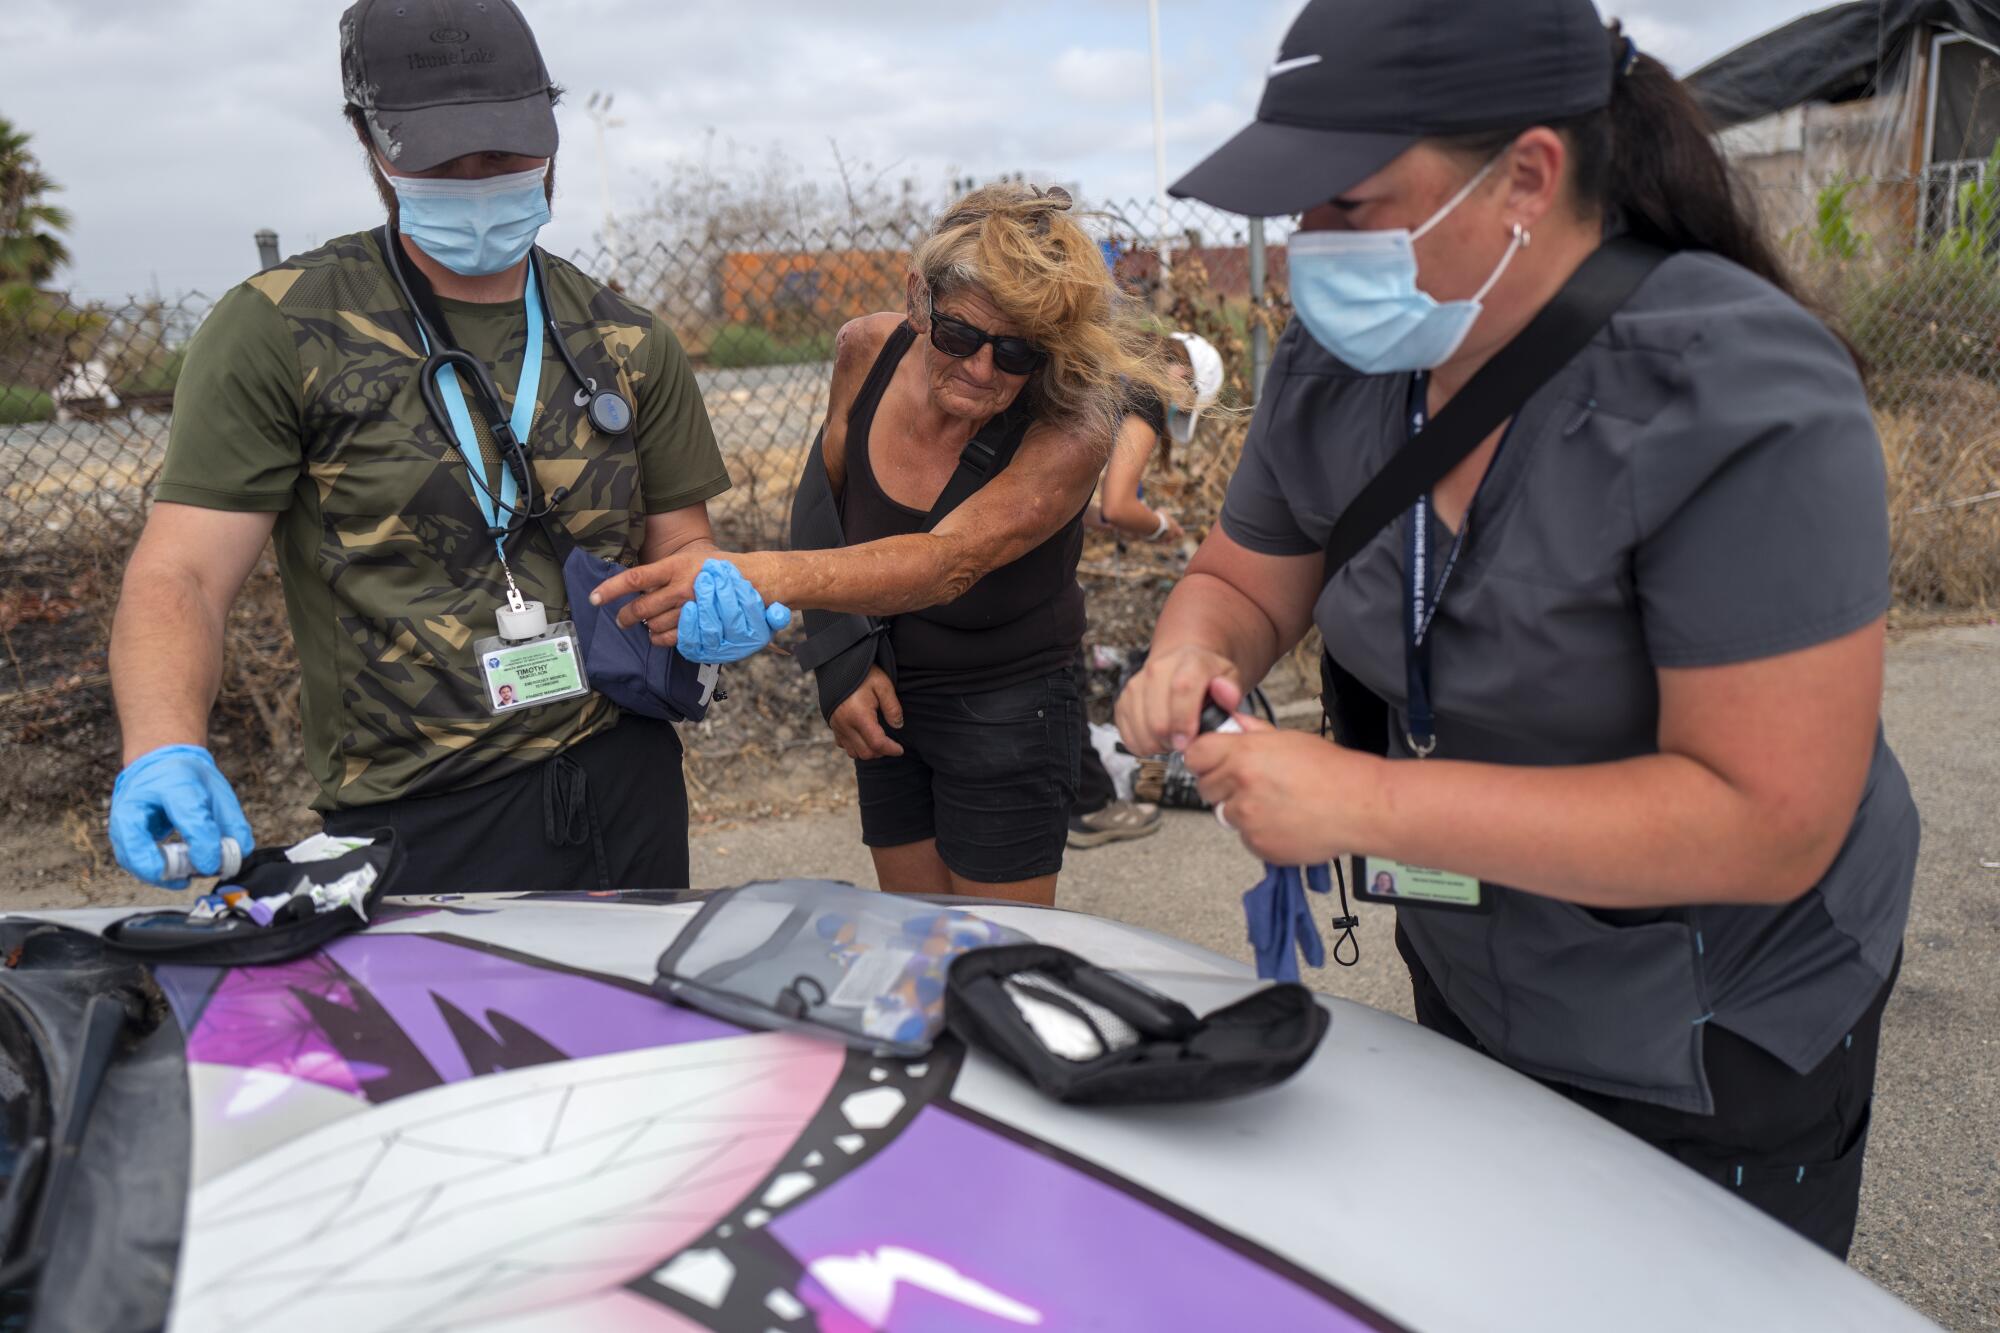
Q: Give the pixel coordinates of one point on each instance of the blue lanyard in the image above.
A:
(497, 513)
(1420, 598)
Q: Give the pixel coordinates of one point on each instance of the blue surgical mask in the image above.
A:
(474, 227)
(1356, 292)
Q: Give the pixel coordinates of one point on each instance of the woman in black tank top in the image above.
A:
(935, 541)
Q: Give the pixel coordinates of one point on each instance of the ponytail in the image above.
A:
(1650, 159)
(1654, 159)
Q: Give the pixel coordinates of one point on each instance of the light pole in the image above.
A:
(599, 110)
(1159, 135)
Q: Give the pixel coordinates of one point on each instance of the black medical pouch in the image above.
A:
(234, 941)
(1086, 1035)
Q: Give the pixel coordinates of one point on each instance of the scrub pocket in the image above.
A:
(1561, 994)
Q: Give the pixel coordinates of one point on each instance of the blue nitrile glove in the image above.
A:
(176, 787)
(727, 621)
(1281, 920)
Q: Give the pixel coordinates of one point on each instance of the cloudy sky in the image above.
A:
(180, 127)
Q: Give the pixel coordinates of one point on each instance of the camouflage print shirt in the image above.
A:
(299, 396)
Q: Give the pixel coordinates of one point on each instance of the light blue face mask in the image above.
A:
(1356, 292)
(474, 227)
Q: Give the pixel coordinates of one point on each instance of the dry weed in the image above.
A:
(1944, 515)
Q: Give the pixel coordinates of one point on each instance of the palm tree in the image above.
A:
(31, 247)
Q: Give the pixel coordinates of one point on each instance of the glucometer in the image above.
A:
(1214, 717)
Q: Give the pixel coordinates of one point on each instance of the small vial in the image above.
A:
(180, 865)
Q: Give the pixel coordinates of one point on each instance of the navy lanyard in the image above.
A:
(1420, 598)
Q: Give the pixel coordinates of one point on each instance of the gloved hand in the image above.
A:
(176, 787)
(1281, 920)
(727, 621)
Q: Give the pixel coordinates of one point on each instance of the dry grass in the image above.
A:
(1944, 540)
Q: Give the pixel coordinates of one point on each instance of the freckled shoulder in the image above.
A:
(1063, 451)
(855, 348)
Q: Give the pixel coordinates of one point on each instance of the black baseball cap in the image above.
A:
(438, 79)
(1358, 81)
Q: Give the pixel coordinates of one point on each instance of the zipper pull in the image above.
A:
(1589, 406)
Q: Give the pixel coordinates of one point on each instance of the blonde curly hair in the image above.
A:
(1021, 246)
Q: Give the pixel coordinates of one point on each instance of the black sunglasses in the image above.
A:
(955, 337)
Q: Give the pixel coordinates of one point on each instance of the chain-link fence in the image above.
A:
(1908, 268)
(86, 389)
(758, 315)
(86, 392)
(1905, 266)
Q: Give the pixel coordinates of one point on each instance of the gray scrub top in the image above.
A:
(1701, 485)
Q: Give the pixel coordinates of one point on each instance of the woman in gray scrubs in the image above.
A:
(1651, 625)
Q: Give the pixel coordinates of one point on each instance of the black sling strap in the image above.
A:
(840, 648)
(1565, 326)
(984, 457)
(1553, 338)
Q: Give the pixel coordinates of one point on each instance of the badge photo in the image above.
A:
(1378, 880)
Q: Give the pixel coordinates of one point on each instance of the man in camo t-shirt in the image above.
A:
(299, 418)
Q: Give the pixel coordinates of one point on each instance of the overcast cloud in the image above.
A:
(178, 129)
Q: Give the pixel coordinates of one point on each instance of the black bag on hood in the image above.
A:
(1086, 1035)
(171, 936)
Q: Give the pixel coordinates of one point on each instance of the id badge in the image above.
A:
(1392, 882)
(526, 673)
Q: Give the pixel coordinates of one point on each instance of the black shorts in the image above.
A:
(990, 775)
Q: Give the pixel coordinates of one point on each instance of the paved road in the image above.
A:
(1931, 1208)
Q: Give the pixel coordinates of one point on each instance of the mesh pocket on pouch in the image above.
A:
(865, 968)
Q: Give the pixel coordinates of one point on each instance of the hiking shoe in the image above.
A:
(1119, 821)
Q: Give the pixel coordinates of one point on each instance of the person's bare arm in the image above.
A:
(1121, 506)
(855, 349)
(1233, 615)
(678, 530)
(1045, 486)
(166, 638)
(1752, 794)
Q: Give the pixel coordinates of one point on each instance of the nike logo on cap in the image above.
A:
(1296, 62)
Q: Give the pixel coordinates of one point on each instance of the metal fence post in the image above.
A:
(267, 249)
(1260, 337)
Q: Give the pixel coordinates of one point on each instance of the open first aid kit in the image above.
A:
(280, 903)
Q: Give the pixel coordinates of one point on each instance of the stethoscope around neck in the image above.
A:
(607, 409)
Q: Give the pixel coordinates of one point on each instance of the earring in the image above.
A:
(1522, 237)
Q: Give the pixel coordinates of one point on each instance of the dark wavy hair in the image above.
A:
(1650, 157)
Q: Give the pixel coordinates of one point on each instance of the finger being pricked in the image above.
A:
(638, 579)
(661, 589)
(1212, 758)
(1228, 696)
